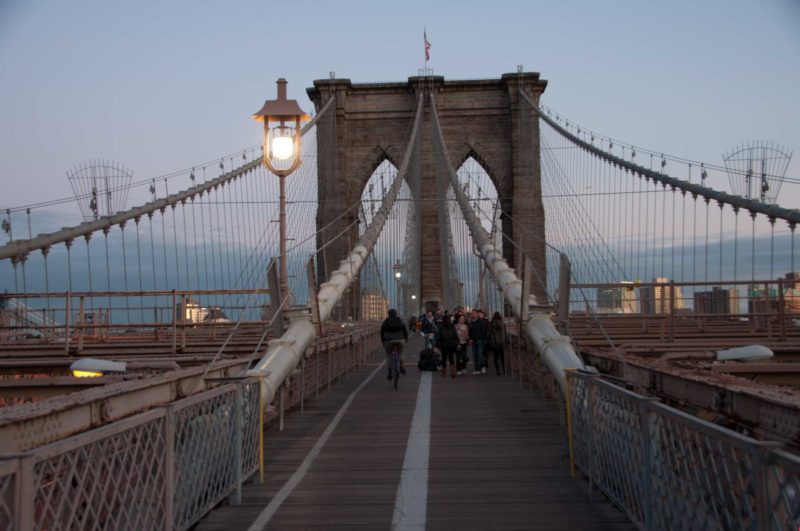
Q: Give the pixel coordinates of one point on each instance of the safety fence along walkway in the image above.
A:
(670, 470)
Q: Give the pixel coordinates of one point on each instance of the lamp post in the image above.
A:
(398, 275)
(281, 156)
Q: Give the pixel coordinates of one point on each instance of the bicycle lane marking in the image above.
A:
(269, 511)
(411, 503)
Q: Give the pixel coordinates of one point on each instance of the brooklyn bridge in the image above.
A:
(212, 358)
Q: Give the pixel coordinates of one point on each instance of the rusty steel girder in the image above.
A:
(768, 411)
(27, 426)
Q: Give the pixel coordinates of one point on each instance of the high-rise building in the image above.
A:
(657, 299)
(617, 299)
(791, 292)
(374, 305)
(717, 301)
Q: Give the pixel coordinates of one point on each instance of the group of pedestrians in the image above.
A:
(451, 336)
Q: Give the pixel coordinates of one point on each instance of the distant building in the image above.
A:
(619, 299)
(791, 292)
(216, 315)
(720, 301)
(657, 299)
(374, 305)
(192, 311)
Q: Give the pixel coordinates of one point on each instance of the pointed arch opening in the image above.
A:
(479, 289)
(380, 289)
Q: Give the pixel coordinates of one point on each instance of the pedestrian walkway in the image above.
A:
(489, 455)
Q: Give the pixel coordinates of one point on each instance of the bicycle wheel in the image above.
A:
(395, 368)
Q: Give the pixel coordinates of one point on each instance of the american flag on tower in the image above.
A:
(427, 46)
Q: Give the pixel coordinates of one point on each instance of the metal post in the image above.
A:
(564, 280)
(280, 424)
(523, 370)
(761, 487)
(238, 437)
(671, 311)
(183, 322)
(781, 310)
(174, 323)
(317, 385)
(169, 465)
(302, 385)
(81, 321)
(768, 310)
(66, 322)
(284, 278)
(591, 390)
(25, 495)
(645, 422)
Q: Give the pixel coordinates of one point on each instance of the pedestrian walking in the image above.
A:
(496, 342)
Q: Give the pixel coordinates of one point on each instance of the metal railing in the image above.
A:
(167, 467)
(162, 469)
(73, 318)
(669, 470)
(766, 308)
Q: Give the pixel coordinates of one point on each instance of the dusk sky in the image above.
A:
(162, 86)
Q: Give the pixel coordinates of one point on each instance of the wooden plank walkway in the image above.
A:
(498, 460)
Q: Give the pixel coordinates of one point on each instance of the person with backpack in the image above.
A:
(447, 342)
(429, 329)
(394, 334)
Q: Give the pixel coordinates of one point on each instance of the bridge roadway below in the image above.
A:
(497, 459)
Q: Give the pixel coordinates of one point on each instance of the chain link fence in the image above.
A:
(669, 470)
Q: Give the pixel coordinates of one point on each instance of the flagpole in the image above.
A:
(424, 45)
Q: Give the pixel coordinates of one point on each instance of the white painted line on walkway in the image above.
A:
(275, 504)
(411, 503)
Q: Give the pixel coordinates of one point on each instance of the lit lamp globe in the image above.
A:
(281, 141)
(398, 270)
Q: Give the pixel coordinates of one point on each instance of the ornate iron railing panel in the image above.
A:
(716, 473)
(670, 470)
(8, 499)
(618, 446)
(162, 469)
(109, 478)
(205, 453)
(250, 427)
(783, 491)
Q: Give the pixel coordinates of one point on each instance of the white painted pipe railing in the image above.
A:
(555, 349)
(285, 352)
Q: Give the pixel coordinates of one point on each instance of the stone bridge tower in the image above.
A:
(482, 119)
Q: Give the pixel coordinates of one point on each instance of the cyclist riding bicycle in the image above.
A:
(394, 334)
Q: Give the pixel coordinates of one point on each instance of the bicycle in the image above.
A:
(395, 364)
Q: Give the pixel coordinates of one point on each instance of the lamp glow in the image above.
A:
(86, 374)
(282, 147)
(282, 142)
(413, 297)
(398, 274)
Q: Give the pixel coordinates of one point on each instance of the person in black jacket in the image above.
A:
(495, 342)
(478, 330)
(447, 342)
(394, 334)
